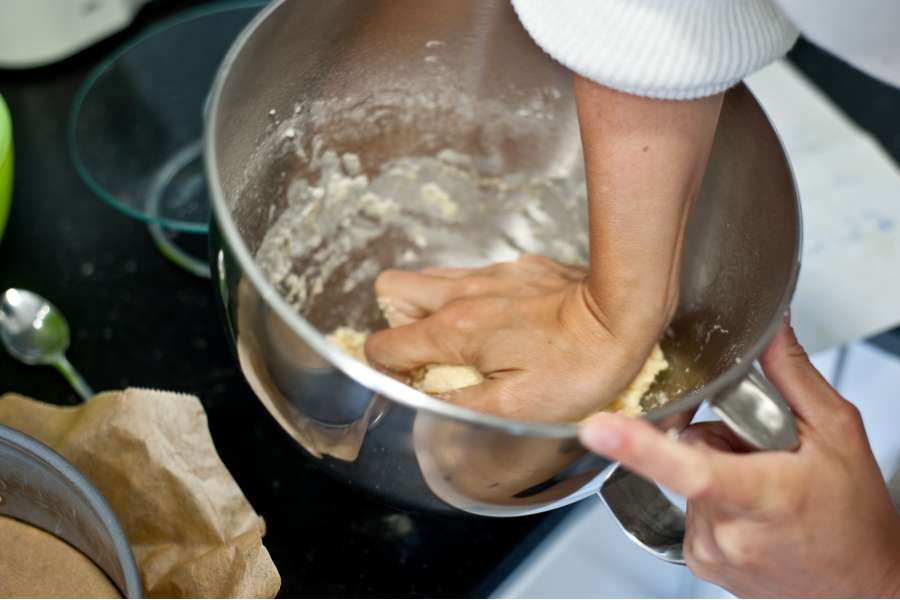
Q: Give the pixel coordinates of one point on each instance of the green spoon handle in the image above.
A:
(74, 378)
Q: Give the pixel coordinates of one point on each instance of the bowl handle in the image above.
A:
(754, 410)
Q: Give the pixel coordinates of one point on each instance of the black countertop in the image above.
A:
(139, 321)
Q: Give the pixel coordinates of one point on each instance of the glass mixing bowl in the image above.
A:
(136, 123)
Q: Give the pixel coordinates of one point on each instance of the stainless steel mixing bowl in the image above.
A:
(386, 79)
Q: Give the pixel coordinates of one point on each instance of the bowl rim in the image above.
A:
(403, 394)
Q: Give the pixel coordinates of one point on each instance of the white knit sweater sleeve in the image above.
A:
(671, 49)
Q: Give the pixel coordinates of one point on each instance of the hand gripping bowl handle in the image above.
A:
(754, 410)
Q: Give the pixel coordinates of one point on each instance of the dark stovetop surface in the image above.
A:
(139, 321)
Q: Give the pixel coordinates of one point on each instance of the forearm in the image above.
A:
(644, 162)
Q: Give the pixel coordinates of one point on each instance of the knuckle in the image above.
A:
(738, 550)
(500, 269)
(846, 417)
(387, 281)
(795, 350)
(374, 348)
(462, 316)
(532, 258)
(703, 483)
(536, 261)
(474, 285)
(699, 555)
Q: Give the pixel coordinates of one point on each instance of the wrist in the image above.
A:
(633, 321)
(632, 310)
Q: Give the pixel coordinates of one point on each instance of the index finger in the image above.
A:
(412, 296)
(404, 348)
(788, 367)
(693, 471)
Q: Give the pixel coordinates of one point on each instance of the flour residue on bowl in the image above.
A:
(327, 246)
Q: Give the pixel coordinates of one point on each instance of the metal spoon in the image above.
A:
(36, 333)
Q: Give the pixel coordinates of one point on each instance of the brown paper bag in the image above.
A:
(150, 454)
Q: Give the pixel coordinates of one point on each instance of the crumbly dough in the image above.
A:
(629, 401)
(351, 341)
(440, 379)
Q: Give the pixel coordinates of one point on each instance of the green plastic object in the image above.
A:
(6, 164)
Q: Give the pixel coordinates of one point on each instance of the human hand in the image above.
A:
(815, 522)
(531, 327)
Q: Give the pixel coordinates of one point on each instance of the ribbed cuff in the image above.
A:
(667, 49)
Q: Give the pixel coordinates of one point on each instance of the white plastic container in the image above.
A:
(34, 33)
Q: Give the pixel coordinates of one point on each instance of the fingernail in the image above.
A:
(600, 436)
(787, 316)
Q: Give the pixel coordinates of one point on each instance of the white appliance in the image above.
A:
(34, 33)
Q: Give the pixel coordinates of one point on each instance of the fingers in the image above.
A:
(407, 296)
(714, 434)
(414, 295)
(700, 548)
(402, 349)
(787, 366)
(692, 470)
(510, 394)
(486, 397)
(448, 272)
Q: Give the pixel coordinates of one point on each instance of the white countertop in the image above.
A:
(849, 284)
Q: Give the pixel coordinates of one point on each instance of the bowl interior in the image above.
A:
(461, 87)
